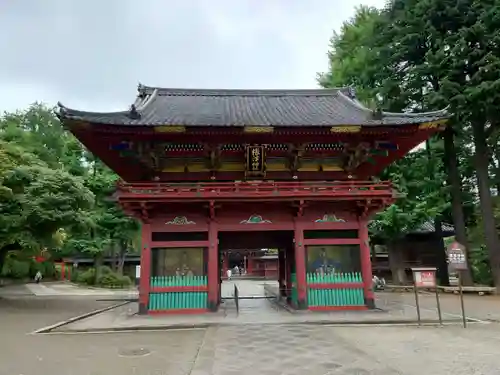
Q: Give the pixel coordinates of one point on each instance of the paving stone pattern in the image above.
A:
(239, 349)
(282, 350)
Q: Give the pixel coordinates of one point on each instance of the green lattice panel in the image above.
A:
(335, 297)
(177, 300)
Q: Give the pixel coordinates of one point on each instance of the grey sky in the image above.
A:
(90, 54)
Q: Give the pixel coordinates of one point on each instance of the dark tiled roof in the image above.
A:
(428, 227)
(189, 107)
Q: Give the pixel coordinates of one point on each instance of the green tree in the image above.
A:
(357, 59)
(425, 54)
(36, 202)
(422, 197)
(450, 49)
(53, 194)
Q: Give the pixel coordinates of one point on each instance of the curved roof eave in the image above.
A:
(140, 104)
(327, 107)
(66, 113)
(70, 112)
(444, 113)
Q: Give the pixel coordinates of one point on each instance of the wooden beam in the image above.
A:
(176, 244)
(332, 241)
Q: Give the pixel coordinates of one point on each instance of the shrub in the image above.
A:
(480, 266)
(105, 270)
(75, 272)
(57, 272)
(106, 279)
(113, 280)
(49, 269)
(15, 268)
(86, 277)
(46, 268)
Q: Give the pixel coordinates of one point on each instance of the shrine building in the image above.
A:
(208, 172)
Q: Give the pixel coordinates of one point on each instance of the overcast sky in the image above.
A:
(91, 54)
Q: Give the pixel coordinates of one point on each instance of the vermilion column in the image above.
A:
(213, 276)
(300, 266)
(250, 264)
(144, 283)
(289, 255)
(366, 264)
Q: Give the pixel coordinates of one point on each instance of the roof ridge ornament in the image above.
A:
(378, 114)
(133, 114)
(141, 91)
(351, 92)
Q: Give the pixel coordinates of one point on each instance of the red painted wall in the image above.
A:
(267, 268)
(238, 217)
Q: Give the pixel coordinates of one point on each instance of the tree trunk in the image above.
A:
(121, 257)
(98, 262)
(396, 263)
(497, 169)
(115, 256)
(442, 264)
(455, 182)
(481, 159)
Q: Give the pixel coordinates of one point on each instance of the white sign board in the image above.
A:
(137, 272)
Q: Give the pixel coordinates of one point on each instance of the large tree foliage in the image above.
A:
(54, 197)
(420, 55)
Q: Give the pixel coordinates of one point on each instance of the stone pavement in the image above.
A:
(396, 308)
(268, 349)
(290, 350)
(246, 288)
(63, 289)
(485, 307)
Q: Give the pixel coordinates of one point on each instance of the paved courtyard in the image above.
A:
(273, 348)
(65, 290)
(252, 349)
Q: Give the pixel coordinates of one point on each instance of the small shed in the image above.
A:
(422, 247)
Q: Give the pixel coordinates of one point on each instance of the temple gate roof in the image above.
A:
(279, 108)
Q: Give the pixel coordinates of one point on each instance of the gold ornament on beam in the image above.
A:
(346, 129)
(258, 129)
(439, 124)
(170, 129)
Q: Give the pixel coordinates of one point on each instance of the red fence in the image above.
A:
(270, 190)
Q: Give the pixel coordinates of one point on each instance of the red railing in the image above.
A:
(264, 189)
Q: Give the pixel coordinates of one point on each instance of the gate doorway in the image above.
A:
(261, 265)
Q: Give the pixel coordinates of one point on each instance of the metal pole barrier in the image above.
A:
(438, 304)
(236, 300)
(460, 290)
(417, 304)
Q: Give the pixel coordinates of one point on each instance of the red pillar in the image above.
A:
(300, 266)
(250, 264)
(144, 283)
(366, 263)
(213, 276)
(288, 265)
